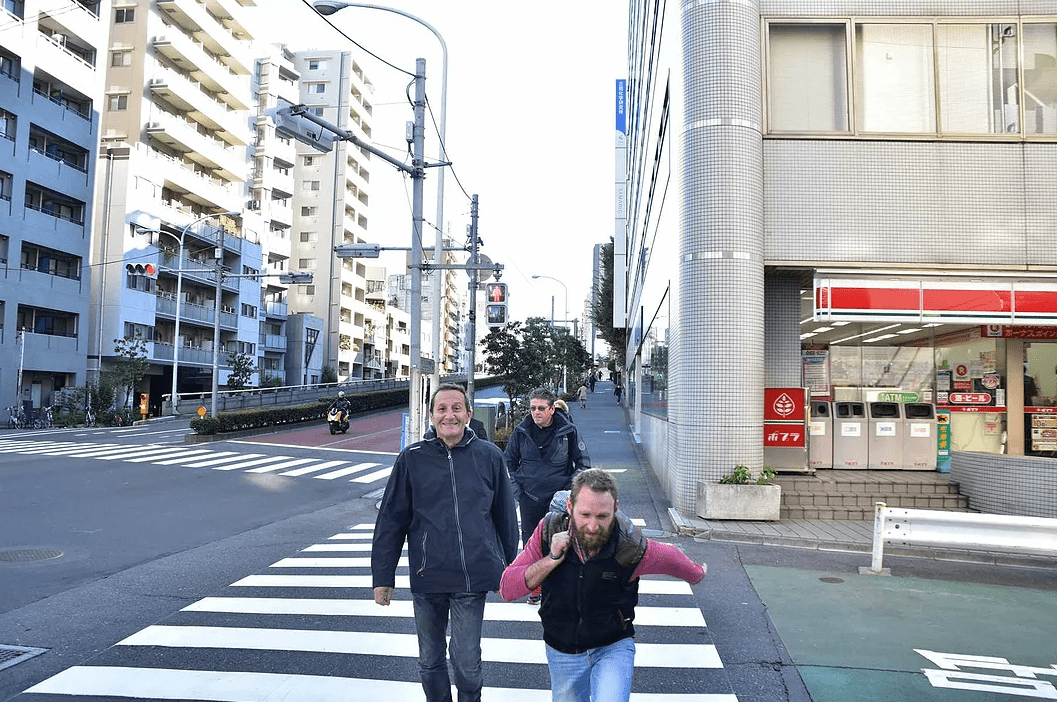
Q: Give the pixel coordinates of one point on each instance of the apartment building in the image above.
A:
(856, 198)
(330, 205)
(387, 341)
(173, 192)
(52, 65)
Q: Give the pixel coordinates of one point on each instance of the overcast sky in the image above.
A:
(530, 126)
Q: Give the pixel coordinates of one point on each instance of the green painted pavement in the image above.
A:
(855, 639)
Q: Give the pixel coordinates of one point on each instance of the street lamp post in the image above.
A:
(565, 319)
(329, 7)
(179, 294)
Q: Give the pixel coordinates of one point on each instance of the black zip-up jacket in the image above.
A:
(592, 604)
(456, 510)
(537, 475)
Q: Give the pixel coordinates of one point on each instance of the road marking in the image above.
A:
(254, 462)
(345, 471)
(170, 453)
(371, 477)
(228, 458)
(280, 466)
(195, 454)
(328, 563)
(337, 547)
(316, 448)
(314, 468)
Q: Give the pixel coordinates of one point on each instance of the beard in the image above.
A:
(592, 544)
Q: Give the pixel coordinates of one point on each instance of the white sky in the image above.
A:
(530, 127)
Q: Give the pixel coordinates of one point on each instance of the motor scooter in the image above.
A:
(338, 420)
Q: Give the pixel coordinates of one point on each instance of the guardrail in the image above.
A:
(985, 532)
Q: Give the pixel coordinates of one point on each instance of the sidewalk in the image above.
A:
(612, 445)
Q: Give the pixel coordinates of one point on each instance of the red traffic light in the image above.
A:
(150, 269)
(496, 293)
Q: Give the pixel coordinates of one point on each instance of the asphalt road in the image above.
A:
(232, 570)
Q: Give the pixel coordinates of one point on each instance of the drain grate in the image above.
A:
(25, 555)
(13, 655)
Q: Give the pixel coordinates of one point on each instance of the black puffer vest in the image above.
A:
(592, 604)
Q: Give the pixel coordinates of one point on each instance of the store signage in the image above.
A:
(899, 397)
(990, 303)
(970, 398)
(783, 435)
(784, 417)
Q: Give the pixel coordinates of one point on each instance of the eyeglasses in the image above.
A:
(539, 408)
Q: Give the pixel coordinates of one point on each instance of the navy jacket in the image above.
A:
(455, 508)
(540, 475)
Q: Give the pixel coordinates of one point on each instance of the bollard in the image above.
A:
(878, 543)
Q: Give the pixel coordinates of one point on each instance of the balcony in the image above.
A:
(276, 309)
(165, 305)
(277, 181)
(182, 135)
(273, 342)
(195, 186)
(60, 56)
(210, 72)
(189, 355)
(193, 17)
(188, 95)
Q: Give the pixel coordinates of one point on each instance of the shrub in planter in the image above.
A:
(739, 496)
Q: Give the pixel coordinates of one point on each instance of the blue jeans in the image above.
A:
(600, 675)
(431, 621)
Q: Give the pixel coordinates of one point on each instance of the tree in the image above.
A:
(602, 309)
(571, 356)
(242, 370)
(130, 366)
(329, 375)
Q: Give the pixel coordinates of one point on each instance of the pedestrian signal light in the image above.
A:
(496, 293)
(496, 315)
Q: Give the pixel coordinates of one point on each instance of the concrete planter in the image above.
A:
(751, 501)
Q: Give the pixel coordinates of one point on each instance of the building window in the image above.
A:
(309, 237)
(940, 79)
(308, 160)
(57, 263)
(317, 111)
(139, 331)
(249, 311)
(306, 289)
(117, 102)
(308, 211)
(319, 88)
(306, 264)
(120, 58)
(309, 186)
(807, 90)
(124, 14)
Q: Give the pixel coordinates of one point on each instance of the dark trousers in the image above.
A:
(432, 612)
(532, 511)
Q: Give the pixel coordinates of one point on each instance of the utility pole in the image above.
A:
(473, 299)
(418, 176)
(216, 322)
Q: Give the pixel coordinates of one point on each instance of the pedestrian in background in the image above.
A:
(544, 452)
(582, 394)
(588, 562)
(618, 391)
(449, 496)
(591, 381)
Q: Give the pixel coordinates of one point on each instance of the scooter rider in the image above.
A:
(342, 403)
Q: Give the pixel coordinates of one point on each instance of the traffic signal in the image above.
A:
(496, 315)
(496, 293)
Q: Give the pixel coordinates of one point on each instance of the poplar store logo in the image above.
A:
(784, 405)
(1017, 680)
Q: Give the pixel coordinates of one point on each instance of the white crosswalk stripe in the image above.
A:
(362, 473)
(277, 615)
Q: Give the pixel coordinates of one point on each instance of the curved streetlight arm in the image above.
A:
(565, 287)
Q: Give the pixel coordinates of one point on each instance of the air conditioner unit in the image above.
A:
(59, 39)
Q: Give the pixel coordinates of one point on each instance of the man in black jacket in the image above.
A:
(542, 455)
(450, 497)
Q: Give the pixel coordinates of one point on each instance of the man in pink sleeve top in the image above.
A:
(588, 563)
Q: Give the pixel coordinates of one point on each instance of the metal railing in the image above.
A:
(966, 530)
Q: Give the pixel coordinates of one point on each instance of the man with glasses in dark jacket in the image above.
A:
(542, 455)
(450, 497)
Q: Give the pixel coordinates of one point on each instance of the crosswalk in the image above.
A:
(310, 630)
(169, 455)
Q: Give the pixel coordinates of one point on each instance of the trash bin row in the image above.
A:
(872, 435)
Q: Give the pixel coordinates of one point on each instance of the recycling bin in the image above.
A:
(919, 436)
(885, 425)
(851, 447)
(820, 435)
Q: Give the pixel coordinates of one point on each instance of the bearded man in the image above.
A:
(587, 563)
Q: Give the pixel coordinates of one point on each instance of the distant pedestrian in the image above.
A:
(591, 382)
(582, 394)
(618, 391)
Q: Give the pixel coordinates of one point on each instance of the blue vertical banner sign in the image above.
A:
(622, 106)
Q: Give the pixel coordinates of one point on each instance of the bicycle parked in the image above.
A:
(16, 419)
(44, 419)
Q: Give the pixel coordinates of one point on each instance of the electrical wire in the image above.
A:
(354, 42)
